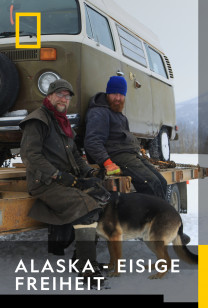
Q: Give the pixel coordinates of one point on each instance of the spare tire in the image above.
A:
(9, 83)
(159, 147)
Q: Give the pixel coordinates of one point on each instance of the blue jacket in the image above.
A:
(107, 132)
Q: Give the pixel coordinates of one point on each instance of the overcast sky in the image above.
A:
(176, 24)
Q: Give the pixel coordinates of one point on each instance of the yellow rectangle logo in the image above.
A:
(38, 15)
(203, 273)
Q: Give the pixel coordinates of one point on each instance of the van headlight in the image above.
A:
(44, 81)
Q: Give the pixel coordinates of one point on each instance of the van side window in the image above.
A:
(131, 47)
(156, 62)
(98, 28)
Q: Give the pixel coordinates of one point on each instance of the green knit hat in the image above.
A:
(60, 84)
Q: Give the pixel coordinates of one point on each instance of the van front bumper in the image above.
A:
(11, 123)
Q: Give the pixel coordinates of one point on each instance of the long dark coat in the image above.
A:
(44, 150)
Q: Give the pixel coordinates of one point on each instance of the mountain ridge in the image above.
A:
(191, 119)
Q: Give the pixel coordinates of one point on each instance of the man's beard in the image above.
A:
(117, 107)
(61, 109)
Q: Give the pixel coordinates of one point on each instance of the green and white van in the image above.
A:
(84, 42)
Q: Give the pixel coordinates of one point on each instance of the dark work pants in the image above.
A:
(61, 236)
(145, 178)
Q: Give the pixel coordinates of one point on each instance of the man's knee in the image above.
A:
(89, 218)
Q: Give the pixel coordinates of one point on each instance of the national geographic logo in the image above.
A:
(17, 24)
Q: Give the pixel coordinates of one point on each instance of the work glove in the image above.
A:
(111, 168)
(69, 180)
(66, 179)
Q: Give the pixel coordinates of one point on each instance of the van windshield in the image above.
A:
(57, 17)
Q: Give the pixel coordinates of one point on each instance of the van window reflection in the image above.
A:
(57, 17)
(98, 28)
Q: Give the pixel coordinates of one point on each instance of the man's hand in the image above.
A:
(69, 180)
(66, 179)
(111, 168)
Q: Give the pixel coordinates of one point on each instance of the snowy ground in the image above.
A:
(175, 287)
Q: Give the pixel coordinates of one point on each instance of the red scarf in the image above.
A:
(60, 117)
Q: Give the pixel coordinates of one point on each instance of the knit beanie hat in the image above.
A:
(117, 84)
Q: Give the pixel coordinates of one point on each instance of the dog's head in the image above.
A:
(101, 173)
(99, 193)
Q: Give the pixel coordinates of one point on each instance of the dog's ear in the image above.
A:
(101, 173)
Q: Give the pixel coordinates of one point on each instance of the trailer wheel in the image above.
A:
(159, 147)
(9, 83)
(173, 196)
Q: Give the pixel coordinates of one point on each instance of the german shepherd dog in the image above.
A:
(149, 218)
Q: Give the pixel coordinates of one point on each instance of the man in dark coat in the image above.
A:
(109, 142)
(57, 174)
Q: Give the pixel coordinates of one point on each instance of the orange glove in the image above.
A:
(111, 168)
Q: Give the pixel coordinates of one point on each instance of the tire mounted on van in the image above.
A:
(9, 84)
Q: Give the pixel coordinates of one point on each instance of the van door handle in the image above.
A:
(119, 73)
(137, 84)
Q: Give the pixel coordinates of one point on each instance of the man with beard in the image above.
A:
(109, 142)
(57, 176)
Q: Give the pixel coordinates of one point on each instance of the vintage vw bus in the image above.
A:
(85, 42)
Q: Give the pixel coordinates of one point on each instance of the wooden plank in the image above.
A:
(38, 227)
(9, 173)
(118, 183)
(13, 213)
(14, 195)
(15, 202)
(18, 165)
(175, 175)
(4, 182)
(13, 185)
(172, 175)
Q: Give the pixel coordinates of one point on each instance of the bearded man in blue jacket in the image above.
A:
(110, 144)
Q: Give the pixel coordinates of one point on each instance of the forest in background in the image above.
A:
(191, 117)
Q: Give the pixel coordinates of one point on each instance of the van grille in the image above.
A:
(22, 55)
(169, 67)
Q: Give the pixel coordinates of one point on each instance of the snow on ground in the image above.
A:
(175, 287)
